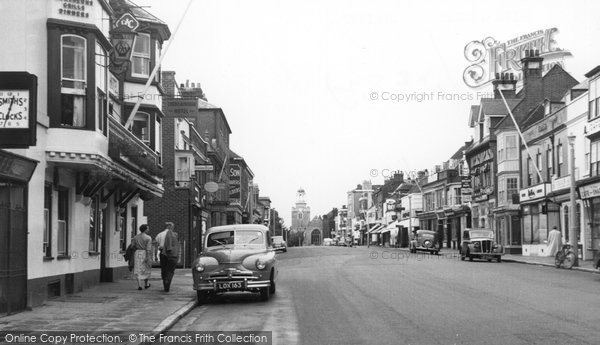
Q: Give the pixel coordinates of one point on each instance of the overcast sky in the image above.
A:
(296, 80)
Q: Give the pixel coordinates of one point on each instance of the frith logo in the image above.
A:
(489, 56)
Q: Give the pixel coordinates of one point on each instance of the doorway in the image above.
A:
(13, 247)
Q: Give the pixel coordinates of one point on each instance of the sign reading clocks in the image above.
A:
(18, 109)
(14, 108)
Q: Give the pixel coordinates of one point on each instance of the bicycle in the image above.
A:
(565, 257)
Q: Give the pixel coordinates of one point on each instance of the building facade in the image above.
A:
(97, 163)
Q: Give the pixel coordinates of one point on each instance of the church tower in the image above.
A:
(300, 212)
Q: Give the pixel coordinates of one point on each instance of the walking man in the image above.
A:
(169, 255)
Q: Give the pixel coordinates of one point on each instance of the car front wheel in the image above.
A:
(265, 294)
(499, 259)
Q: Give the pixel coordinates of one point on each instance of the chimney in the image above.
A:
(532, 75)
(187, 83)
(507, 83)
(168, 83)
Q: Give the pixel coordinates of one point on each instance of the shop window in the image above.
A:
(73, 81)
(141, 128)
(140, 56)
(47, 246)
(63, 222)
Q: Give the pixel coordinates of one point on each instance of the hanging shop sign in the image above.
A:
(18, 109)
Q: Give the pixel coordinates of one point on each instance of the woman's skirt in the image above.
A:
(142, 267)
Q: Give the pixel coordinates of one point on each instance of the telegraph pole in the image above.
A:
(572, 225)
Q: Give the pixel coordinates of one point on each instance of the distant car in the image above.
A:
(279, 243)
(480, 244)
(425, 240)
(235, 258)
(327, 241)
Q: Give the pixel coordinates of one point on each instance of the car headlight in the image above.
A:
(495, 245)
(260, 264)
(477, 244)
(199, 267)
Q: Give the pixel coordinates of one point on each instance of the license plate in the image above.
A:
(230, 285)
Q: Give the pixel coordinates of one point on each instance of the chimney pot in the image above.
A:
(187, 83)
(497, 75)
(537, 53)
(193, 85)
(182, 85)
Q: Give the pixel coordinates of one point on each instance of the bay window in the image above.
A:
(140, 56)
(73, 80)
(141, 127)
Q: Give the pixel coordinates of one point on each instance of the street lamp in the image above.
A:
(572, 227)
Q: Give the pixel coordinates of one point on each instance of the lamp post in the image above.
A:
(572, 227)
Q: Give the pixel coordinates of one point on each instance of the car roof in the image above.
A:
(234, 227)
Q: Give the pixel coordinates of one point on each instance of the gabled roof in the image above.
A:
(459, 153)
(493, 106)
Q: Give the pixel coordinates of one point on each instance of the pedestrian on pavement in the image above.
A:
(160, 243)
(170, 251)
(142, 268)
(554, 241)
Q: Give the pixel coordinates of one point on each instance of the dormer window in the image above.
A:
(546, 108)
(140, 57)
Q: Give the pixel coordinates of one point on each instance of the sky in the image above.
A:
(324, 95)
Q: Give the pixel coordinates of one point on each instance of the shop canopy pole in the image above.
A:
(521, 135)
(155, 70)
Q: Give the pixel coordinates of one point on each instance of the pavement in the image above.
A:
(119, 306)
(112, 307)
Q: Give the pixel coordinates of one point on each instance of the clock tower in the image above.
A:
(300, 212)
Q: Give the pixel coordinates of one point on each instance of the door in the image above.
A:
(13, 248)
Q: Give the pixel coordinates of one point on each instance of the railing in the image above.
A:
(124, 146)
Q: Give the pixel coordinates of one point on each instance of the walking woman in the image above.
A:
(143, 257)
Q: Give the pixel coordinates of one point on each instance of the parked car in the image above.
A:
(425, 240)
(327, 241)
(279, 243)
(235, 258)
(480, 243)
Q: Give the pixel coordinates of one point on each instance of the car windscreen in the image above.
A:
(235, 237)
(277, 239)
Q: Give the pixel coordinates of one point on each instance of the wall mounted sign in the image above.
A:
(590, 191)
(235, 172)
(18, 109)
(535, 192)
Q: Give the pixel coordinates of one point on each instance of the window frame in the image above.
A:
(47, 237)
(63, 205)
(142, 56)
(75, 92)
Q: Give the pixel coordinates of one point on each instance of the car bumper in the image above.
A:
(486, 255)
(247, 285)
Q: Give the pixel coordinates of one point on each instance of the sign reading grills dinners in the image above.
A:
(488, 56)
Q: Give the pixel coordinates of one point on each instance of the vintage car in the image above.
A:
(425, 240)
(279, 244)
(479, 243)
(235, 258)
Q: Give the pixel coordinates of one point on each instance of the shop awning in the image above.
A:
(375, 229)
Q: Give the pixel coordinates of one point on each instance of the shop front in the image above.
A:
(15, 174)
(540, 215)
(590, 196)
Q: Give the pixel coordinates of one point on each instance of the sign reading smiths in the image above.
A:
(489, 56)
